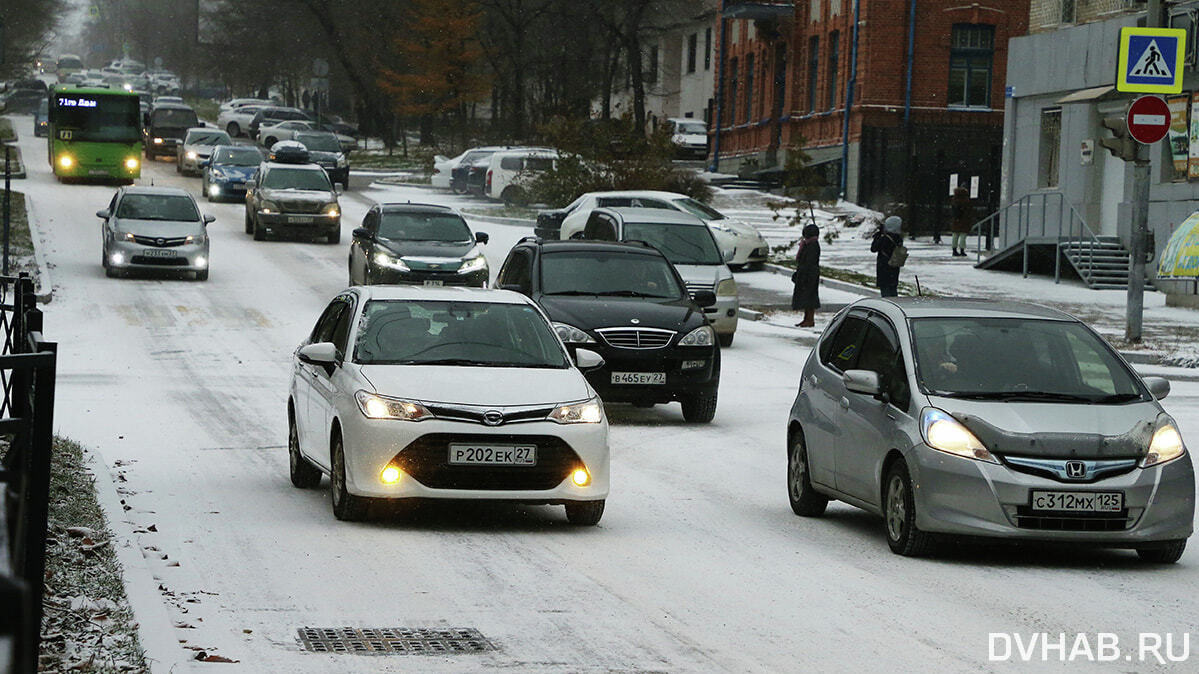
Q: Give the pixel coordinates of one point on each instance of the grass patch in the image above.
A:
(206, 108)
(15, 162)
(20, 242)
(505, 211)
(6, 131)
(88, 624)
(371, 159)
(858, 278)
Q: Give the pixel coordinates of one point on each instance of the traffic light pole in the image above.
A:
(1135, 306)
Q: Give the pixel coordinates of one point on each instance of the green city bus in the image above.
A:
(95, 133)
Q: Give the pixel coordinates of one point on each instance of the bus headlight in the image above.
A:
(66, 161)
(132, 163)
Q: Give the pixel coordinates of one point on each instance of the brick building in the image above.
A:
(913, 122)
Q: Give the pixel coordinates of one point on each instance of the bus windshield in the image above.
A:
(97, 117)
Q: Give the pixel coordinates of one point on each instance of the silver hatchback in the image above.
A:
(993, 419)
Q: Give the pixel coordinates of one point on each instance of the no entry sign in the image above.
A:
(1148, 119)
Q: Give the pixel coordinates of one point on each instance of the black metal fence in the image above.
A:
(27, 370)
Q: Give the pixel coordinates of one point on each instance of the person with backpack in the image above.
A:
(891, 255)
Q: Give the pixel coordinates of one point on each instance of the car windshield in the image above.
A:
(237, 156)
(427, 332)
(208, 138)
(174, 118)
(681, 244)
(698, 209)
(1019, 359)
(297, 179)
(423, 227)
(319, 142)
(158, 207)
(608, 274)
(691, 127)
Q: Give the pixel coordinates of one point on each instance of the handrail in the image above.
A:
(1068, 224)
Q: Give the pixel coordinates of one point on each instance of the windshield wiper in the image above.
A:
(1119, 398)
(572, 292)
(1020, 395)
(624, 293)
(449, 361)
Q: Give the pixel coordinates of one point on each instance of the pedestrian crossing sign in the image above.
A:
(1150, 60)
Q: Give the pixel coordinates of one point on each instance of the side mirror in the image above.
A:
(704, 298)
(862, 381)
(481, 237)
(1158, 386)
(209, 219)
(729, 255)
(363, 233)
(103, 215)
(586, 359)
(320, 353)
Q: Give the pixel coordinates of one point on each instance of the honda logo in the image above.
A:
(1076, 470)
(493, 418)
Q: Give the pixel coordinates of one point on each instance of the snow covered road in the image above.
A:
(698, 565)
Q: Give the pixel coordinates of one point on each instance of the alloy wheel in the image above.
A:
(896, 508)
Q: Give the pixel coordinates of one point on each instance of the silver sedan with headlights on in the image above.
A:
(405, 392)
(991, 419)
(154, 229)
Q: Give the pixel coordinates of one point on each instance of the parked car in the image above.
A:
(41, 119)
(227, 171)
(690, 136)
(272, 131)
(510, 172)
(236, 121)
(690, 247)
(325, 151)
(417, 244)
(167, 127)
(292, 199)
(514, 418)
(236, 103)
(626, 302)
(444, 168)
(741, 243)
(985, 418)
(274, 114)
(154, 229)
(197, 147)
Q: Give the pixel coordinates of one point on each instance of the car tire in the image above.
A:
(304, 475)
(346, 506)
(1168, 553)
(259, 232)
(699, 408)
(805, 500)
(233, 130)
(269, 142)
(725, 340)
(202, 275)
(334, 236)
(345, 184)
(899, 514)
(584, 513)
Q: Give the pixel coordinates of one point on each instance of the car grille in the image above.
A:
(478, 414)
(160, 261)
(294, 206)
(636, 338)
(1027, 518)
(426, 459)
(1055, 469)
(160, 241)
(693, 288)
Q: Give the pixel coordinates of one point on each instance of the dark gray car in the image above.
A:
(983, 418)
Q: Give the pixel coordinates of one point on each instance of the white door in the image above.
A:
(1111, 196)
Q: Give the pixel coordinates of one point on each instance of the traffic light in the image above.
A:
(1121, 145)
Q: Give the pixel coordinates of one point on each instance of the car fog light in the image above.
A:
(390, 475)
(201, 261)
(580, 477)
(116, 258)
(214, 190)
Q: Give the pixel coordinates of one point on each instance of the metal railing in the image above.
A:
(1045, 215)
(27, 372)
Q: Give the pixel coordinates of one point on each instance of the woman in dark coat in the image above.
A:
(884, 243)
(962, 210)
(806, 295)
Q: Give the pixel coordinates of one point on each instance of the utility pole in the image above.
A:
(1134, 311)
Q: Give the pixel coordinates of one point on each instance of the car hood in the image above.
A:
(165, 228)
(236, 172)
(198, 149)
(708, 274)
(451, 250)
(320, 155)
(589, 313)
(738, 228)
(1057, 430)
(314, 196)
(499, 386)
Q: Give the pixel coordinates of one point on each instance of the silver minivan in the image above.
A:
(984, 418)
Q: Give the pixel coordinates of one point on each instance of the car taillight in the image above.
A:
(489, 180)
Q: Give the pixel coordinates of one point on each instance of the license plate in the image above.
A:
(434, 283)
(299, 219)
(647, 378)
(97, 172)
(493, 455)
(1079, 501)
(158, 252)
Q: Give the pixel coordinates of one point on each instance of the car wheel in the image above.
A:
(1166, 554)
(178, 165)
(899, 514)
(345, 184)
(585, 513)
(202, 275)
(269, 142)
(304, 475)
(346, 506)
(700, 408)
(233, 130)
(334, 236)
(725, 340)
(259, 232)
(805, 500)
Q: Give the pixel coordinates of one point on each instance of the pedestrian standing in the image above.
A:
(806, 277)
(891, 255)
(963, 210)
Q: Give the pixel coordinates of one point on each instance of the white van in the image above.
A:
(510, 173)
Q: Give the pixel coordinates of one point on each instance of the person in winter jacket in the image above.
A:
(884, 244)
(963, 211)
(806, 278)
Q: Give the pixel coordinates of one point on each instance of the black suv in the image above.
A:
(626, 302)
(292, 199)
(167, 127)
(417, 244)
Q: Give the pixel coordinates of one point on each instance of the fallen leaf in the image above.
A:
(214, 658)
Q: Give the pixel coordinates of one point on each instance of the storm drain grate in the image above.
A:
(394, 640)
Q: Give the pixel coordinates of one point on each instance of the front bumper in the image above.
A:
(226, 189)
(723, 315)
(680, 383)
(189, 164)
(975, 498)
(422, 449)
(101, 169)
(131, 255)
(382, 275)
(312, 224)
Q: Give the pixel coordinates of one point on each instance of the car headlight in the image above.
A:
(945, 434)
(569, 334)
(380, 407)
(268, 206)
(191, 154)
(586, 412)
(332, 211)
(195, 238)
(1166, 445)
(385, 260)
(727, 288)
(158, 141)
(701, 336)
(125, 236)
(474, 264)
(342, 162)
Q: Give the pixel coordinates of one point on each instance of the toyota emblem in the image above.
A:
(493, 418)
(635, 321)
(1076, 469)
(160, 241)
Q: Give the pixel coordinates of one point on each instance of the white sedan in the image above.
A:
(740, 243)
(445, 393)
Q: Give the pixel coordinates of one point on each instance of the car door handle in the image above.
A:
(844, 403)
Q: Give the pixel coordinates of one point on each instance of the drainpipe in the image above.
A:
(907, 122)
(715, 166)
(849, 87)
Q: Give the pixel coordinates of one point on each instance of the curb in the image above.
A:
(830, 282)
(154, 629)
(749, 314)
(44, 291)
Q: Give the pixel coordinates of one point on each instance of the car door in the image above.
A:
(326, 380)
(106, 226)
(360, 249)
(516, 274)
(311, 431)
(828, 397)
(872, 423)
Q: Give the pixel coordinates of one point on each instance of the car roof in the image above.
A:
(160, 191)
(655, 215)
(409, 207)
(634, 247)
(442, 294)
(307, 166)
(167, 105)
(963, 307)
(658, 194)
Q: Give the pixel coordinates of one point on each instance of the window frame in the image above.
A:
(979, 43)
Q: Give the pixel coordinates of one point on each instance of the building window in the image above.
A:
(651, 75)
(707, 49)
(692, 45)
(1068, 11)
(733, 92)
(1051, 144)
(834, 8)
(814, 14)
(749, 88)
(970, 61)
(813, 70)
(834, 46)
